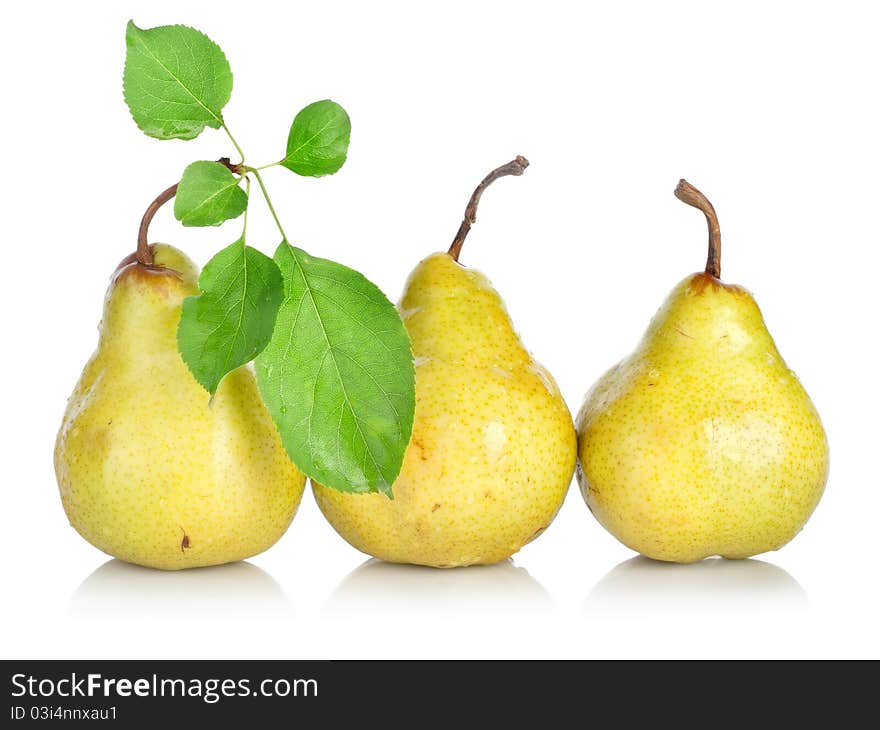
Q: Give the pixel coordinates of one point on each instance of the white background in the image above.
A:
(769, 107)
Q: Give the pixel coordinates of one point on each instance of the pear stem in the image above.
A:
(514, 167)
(687, 193)
(144, 254)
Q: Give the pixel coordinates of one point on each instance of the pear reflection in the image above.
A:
(380, 587)
(716, 585)
(122, 590)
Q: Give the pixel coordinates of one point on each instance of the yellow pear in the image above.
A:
(493, 446)
(702, 442)
(150, 470)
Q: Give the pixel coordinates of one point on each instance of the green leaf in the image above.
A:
(231, 321)
(208, 195)
(338, 375)
(318, 140)
(176, 81)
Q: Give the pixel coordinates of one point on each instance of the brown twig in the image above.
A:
(144, 255)
(514, 167)
(687, 193)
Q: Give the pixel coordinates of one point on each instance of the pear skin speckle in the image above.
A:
(149, 471)
(493, 445)
(702, 442)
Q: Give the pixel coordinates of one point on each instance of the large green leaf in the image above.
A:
(338, 375)
(233, 318)
(176, 81)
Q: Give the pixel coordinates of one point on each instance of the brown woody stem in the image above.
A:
(687, 193)
(144, 255)
(514, 167)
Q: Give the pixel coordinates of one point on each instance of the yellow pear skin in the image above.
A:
(149, 470)
(493, 446)
(702, 442)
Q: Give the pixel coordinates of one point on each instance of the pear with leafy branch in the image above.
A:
(151, 469)
(174, 452)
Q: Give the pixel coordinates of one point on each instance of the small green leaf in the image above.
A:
(318, 140)
(176, 81)
(338, 375)
(230, 322)
(208, 195)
